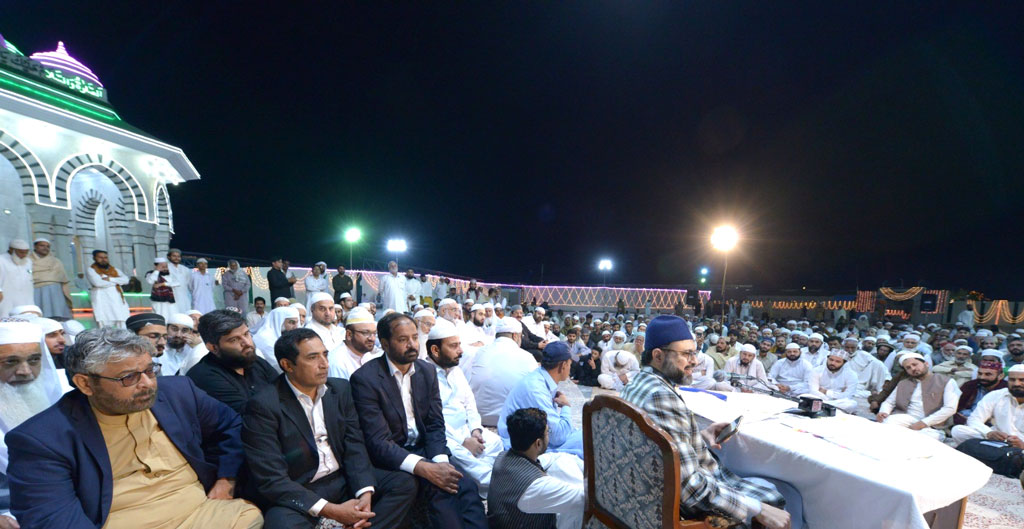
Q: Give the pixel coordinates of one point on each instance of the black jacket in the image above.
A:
(382, 414)
(279, 285)
(227, 386)
(281, 452)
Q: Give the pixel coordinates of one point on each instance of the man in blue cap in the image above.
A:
(539, 389)
(669, 356)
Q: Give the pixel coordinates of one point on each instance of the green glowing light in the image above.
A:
(126, 294)
(42, 90)
(353, 235)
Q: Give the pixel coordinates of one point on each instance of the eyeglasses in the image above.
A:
(132, 379)
(688, 354)
(365, 334)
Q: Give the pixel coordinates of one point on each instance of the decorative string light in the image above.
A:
(989, 315)
(940, 302)
(898, 313)
(1006, 315)
(900, 296)
(866, 300)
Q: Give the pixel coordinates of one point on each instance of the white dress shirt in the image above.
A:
(343, 361)
(497, 368)
(314, 411)
(754, 369)
(315, 284)
(950, 397)
(792, 373)
(560, 492)
(1006, 413)
(332, 336)
(842, 384)
(412, 433)
(457, 403)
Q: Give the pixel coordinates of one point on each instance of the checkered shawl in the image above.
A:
(706, 486)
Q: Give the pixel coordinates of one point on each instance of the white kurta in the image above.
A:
(15, 284)
(314, 285)
(332, 336)
(999, 407)
(817, 358)
(440, 290)
(792, 373)
(342, 361)
(201, 287)
(497, 368)
(754, 369)
(871, 373)
(412, 290)
(108, 307)
(426, 289)
(472, 334)
(617, 363)
(182, 276)
(392, 293)
(163, 308)
(460, 419)
(837, 389)
(915, 410)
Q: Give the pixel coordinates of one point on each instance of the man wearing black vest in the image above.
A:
(525, 495)
(305, 451)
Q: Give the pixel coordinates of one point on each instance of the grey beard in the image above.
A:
(21, 402)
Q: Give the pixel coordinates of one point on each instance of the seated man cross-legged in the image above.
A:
(305, 450)
(922, 401)
(707, 487)
(119, 452)
(1004, 408)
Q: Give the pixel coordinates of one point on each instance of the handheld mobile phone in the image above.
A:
(729, 430)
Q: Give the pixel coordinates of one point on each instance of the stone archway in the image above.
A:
(31, 171)
(127, 184)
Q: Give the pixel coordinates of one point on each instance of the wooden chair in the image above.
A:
(633, 471)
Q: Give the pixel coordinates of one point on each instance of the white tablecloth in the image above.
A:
(853, 473)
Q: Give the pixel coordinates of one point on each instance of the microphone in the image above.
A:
(720, 375)
(740, 376)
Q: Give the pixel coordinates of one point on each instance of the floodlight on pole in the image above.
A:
(352, 236)
(397, 246)
(704, 271)
(724, 239)
(604, 265)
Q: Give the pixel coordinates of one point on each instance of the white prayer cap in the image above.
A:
(983, 333)
(546, 323)
(194, 311)
(700, 328)
(1014, 336)
(1019, 331)
(201, 260)
(159, 260)
(713, 338)
(851, 339)
(606, 333)
(905, 355)
(995, 353)
(869, 339)
(280, 298)
(799, 333)
(1001, 335)
(510, 325)
(964, 348)
(960, 341)
(642, 324)
(748, 348)
(596, 321)
(932, 325)
(423, 314)
(181, 320)
(443, 329)
(359, 315)
(839, 353)
(888, 324)
(488, 305)
(1019, 368)
(479, 307)
(785, 331)
(318, 263)
(447, 301)
(27, 311)
(468, 301)
(791, 322)
(40, 239)
(792, 345)
(540, 310)
(345, 296)
(619, 334)
(336, 307)
(47, 325)
(18, 244)
(817, 336)
(912, 336)
(12, 332)
(364, 305)
(73, 327)
(317, 297)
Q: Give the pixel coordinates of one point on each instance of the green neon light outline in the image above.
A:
(51, 89)
(55, 98)
(12, 48)
(126, 294)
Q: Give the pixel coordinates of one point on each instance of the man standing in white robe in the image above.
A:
(392, 290)
(109, 307)
(160, 278)
(181, 276)
(835, 384)
(201, 287)
(790, 374)
(412, 289)
(15, 277)
(473, 447)
(52, 286)
(316, 281)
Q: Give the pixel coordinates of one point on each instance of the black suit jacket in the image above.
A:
(281, 452)
(279, 285)
(382, 414)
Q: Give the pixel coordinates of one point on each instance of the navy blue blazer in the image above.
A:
(382, 414)
(60, 470)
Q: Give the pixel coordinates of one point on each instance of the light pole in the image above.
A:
(352, 236)
(604, 265)
(397, 246)
(724, 239)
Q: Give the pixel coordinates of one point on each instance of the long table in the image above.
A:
(853, 473)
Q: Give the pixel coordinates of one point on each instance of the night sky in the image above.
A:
(855, 146)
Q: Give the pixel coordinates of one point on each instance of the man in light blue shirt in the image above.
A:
(539, 389)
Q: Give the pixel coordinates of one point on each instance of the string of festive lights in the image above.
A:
(898, 313)
(866, 300)
(1006, 315)
(940, 303)
(900, 296)
(989, 315)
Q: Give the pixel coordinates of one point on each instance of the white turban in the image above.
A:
(423, 314)
(17, 332)
(47, 325)
(1019, 368)
(317, 297)
(181, 320)
(447, 301)
(509, 325)
(18, 244)
(905, 355)
(748, 348)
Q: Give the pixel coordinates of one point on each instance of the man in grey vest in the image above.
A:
(923, 401)
(530, 490)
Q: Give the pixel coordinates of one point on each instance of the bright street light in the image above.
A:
(604, 264)
(724, 239)
(704, 271)
(397, 245)
(352, 236)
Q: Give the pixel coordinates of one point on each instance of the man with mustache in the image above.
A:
(990, 378)
(669, 354)
(232, 372)
(118, 453)
(1004, 408)
(108, 305)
